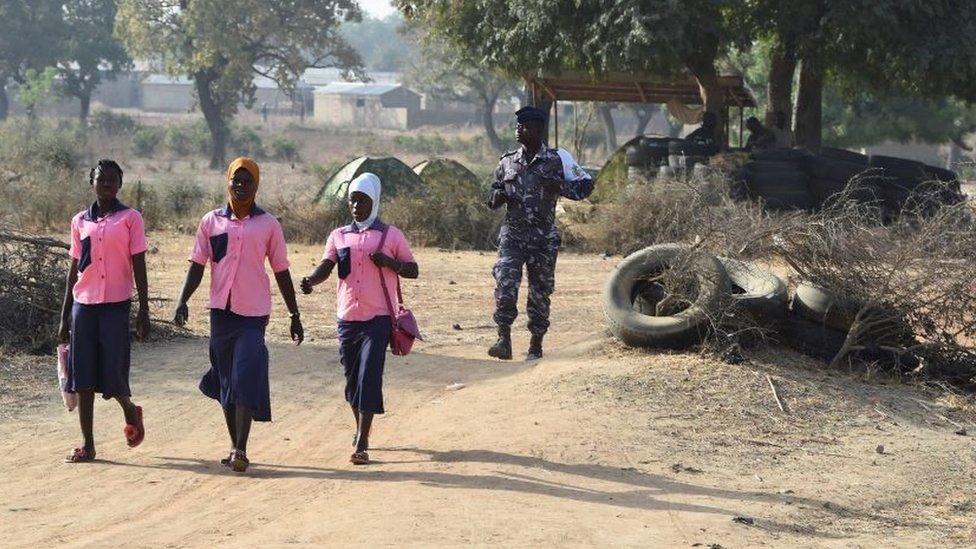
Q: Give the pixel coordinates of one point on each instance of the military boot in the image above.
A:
(503, 347)
(535, 348)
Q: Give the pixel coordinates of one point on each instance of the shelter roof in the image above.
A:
(623, 87)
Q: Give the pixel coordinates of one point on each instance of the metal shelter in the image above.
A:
(625, 87)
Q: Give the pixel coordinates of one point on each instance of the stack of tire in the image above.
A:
(832, 170)
(776, 178)
(813, 322)
(910, 184)
(796, 179)
(645, 156)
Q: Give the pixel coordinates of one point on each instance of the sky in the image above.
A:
(377, 8)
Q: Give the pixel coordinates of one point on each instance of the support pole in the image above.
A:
(555, 117)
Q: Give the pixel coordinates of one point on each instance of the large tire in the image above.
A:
(760, 293)
(783, 190)
(677, 331)
(780, 155)
(771, 166)
(837, 170)
(817, 305)
(844, 155)
(811, 338)
(822, 189)
(898, 168)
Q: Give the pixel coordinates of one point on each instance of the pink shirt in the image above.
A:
(360, 294)
(103, 247)
(236, 249)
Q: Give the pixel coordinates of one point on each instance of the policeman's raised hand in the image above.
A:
(297, 330)
(182, 314)
(306, 285)
(381, 260)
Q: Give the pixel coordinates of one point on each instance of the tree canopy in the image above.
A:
(223, 44)
(88, 48)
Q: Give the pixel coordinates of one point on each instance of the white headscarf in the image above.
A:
(369, 185)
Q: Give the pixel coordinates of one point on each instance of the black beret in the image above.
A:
(530, 113)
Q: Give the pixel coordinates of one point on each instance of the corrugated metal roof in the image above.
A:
(356, 88)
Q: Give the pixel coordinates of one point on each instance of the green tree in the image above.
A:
(223, 44)
(36, 89)
(444, 75)
(521, 37)
(30, 33)
(888, 48)
(381, 43)
(89, 48)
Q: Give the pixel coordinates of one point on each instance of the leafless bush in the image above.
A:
(908, 287)
(32, 275)
(698, 210)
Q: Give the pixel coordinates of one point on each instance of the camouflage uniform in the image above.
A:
(529, 234)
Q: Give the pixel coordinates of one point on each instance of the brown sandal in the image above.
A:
(80, 455)
(239, 461)
(359, 458)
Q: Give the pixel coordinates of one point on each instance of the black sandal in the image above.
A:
(226, 461)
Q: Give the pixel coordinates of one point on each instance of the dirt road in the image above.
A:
(592, 446)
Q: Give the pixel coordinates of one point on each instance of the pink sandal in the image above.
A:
(134, 434)
(80, 455)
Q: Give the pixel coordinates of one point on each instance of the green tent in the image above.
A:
(396, 177)
(438, 173)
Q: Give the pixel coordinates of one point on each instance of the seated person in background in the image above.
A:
(704, 141)
(781, 130)
(759, 136)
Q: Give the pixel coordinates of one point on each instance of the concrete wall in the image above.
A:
(167, 97)
(361, 112)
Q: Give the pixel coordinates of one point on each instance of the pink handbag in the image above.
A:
(405, 328)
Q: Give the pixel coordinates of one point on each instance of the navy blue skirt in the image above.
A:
(362, 352)
(238, 363)
(98, 359)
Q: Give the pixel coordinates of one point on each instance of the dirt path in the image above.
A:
(592, 446)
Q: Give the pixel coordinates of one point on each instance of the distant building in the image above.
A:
(384, 106)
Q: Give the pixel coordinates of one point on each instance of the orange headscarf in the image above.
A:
(241, 208)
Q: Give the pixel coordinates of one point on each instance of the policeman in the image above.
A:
(529, 180)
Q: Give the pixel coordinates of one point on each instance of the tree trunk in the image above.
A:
(609, 131)
(702, 67)
(488, 120)
(809, 104)
(215, 122)
(782, 67)
(644, 113)
(85, 100)
(4, 102)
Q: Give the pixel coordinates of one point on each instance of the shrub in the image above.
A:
(178, 140)
(183, 198)
(309, 222)
(145, 140)
(451, 214)
(247, 142)
(110, 123)
(283, 148)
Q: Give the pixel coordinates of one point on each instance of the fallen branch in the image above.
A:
(775, 395)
